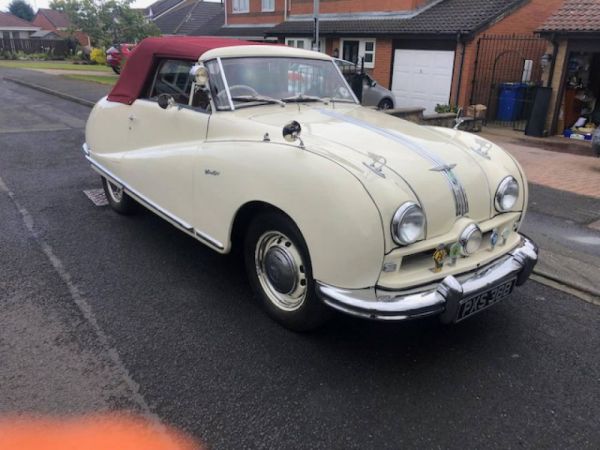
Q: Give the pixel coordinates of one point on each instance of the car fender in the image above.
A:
(337, 217)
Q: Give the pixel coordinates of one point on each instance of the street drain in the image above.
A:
(96, 196)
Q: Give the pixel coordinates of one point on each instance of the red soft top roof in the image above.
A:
(142, 59)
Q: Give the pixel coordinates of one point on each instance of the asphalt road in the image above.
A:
(104, 312)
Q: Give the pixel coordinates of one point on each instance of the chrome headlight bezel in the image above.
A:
(505, 185)
(471, 236)
(402, 213)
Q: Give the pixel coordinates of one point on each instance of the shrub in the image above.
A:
(98, 56)
(440, 109)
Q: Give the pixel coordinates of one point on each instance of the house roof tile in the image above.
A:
(445, 17)
(57, 18)
(575, 16)
(12, 21)
(189, 17)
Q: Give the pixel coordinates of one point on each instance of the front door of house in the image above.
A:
(350, 51)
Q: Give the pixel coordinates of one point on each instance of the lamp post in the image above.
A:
(316, 29)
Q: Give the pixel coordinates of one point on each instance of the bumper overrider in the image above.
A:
(443, 298)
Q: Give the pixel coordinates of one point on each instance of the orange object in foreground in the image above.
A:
(97, 432)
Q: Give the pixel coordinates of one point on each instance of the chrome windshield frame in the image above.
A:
(224, 78)
(353, 98)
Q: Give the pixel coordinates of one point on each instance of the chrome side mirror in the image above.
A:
(291, 131)
(200, 75)
(165, 101)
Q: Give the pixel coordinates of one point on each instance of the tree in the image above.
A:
(22, 9)
(107, 22)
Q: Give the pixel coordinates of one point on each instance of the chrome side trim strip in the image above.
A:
(151, 205)
(460, 197)
(85, 149)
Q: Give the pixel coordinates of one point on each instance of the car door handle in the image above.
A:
(131, 117)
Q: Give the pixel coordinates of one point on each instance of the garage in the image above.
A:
(422, 78)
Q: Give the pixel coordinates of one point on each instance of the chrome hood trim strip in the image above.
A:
(461, 202)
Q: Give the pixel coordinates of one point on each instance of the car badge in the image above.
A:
(482, 148)
(376, 165)
(505, 234)
(494, 238)
(443, 168)
(438, 258)
(455, 252)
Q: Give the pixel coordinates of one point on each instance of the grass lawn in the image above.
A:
(64, 65)
(109, 80)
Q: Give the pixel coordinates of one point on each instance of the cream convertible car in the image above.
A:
(335, 205)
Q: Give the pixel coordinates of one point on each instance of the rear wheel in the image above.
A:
(117, 198)
(386, 103)
(279, 270)
(116, 69)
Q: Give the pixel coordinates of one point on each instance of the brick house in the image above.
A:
(423, 50)
(13, 27)
(58, 22)
(573, 55)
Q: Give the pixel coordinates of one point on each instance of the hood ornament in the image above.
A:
(482, 148)
(376, 165)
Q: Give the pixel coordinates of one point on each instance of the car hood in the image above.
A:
(449, 173)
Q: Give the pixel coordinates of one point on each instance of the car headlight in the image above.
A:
(408, 224)
(507, 194)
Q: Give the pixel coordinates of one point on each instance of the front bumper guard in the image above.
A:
(439, 298)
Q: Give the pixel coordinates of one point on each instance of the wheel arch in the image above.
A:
(245, 214)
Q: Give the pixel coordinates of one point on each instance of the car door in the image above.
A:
(164, 143)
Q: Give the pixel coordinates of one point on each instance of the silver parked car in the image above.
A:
(373, 94)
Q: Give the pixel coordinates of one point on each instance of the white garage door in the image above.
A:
(422, 78)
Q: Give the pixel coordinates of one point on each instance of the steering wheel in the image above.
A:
(236, 90)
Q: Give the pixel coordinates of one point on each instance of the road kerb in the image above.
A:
(46, 90)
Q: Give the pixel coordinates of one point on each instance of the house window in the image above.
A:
(240, 6)
(267, 5)
(355, 50)
(305, 43)
(298, 43)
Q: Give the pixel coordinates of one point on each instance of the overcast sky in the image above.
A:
(35, 4)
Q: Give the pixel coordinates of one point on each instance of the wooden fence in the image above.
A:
(55, 47)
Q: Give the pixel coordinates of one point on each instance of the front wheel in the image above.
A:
(280, 272)
(117, 198)
(386, 103)
(116, 69)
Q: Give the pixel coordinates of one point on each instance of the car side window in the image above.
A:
(173, 77)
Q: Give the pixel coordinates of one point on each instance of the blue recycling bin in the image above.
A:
(510, 101)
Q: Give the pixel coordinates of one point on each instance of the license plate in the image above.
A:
(483, 300)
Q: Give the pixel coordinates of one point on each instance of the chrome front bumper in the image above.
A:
(439, 298)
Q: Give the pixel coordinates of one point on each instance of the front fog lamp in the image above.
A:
(408, 224)
(507, 194)
(470, 239)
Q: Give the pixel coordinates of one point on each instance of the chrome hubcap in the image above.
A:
(115, 192)
(280, 270)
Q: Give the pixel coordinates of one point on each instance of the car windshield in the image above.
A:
(262, 80)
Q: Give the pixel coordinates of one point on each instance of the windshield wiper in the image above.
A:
(304, 98)
(257, 98)
(340, 100)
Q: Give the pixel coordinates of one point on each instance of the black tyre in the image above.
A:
(116, 69)
(280, 272)
(386, 103)
(118, 199)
